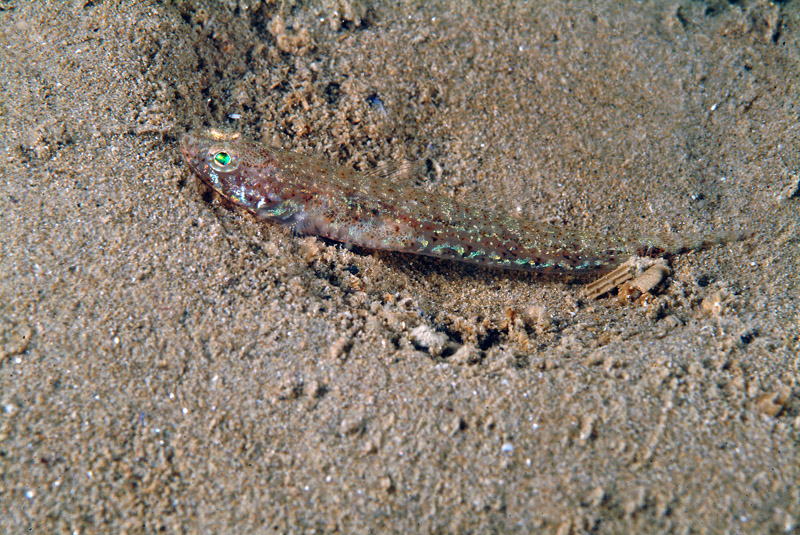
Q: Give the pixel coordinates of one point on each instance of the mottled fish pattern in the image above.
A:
(376, 211)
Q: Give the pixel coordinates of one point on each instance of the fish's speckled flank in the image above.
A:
(377, 212)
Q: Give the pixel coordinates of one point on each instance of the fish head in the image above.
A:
(227, 163)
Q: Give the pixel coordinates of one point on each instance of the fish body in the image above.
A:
(379, 212)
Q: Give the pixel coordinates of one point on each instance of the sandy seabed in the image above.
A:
(171, 364)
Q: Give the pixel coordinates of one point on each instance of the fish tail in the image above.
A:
(675, 245)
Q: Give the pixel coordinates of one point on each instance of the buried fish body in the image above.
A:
(377, 211)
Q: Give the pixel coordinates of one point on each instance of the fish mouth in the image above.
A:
(187, 141)
(190, 150)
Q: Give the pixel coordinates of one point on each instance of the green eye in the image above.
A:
(222, 158)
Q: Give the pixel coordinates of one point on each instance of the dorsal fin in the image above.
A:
(405, 174)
